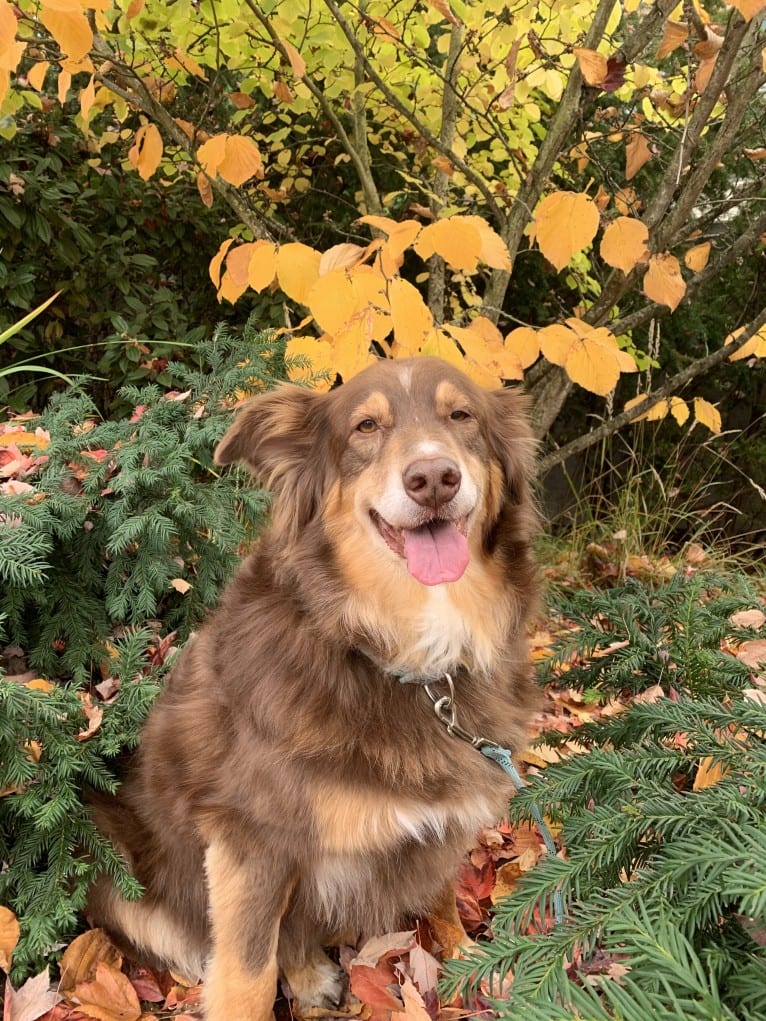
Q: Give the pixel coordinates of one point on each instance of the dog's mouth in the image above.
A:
(436, 551)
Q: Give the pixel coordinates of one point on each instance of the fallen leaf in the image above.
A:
(749, 618)
(79, 960)
(9, 937)
(109, 996)
(31, 1001)
(414, 1007)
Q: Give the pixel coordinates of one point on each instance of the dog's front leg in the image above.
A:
(247, 899)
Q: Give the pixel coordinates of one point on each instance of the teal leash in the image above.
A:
(446, 713)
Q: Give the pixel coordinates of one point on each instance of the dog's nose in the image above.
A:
(432, 482)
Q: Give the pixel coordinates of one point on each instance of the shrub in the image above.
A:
(111, 550)
(663, 821)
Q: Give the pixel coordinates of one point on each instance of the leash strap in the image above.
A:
(446, 713)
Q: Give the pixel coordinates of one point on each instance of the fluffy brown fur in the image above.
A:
(289, 788)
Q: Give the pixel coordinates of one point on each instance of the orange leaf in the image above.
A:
(565, 223)
(235, 158)
(205, 189)
(400, 237)
(483, 345)
(217, 261)
(455, 239)
(592, 362)
(297, 63)
(663, 282)
(623, 244)
(592, 65)
(297, 270)
(748, 8)
(524, 342)
(440, 345)
(9, 937)
(146, 152)
(637, 152)
(109, 996)
(697, 258)
(675, 35)
(342, 256)
(36, 75)
(68, 25)
(351, 344)
(494, 251)
(235, 280)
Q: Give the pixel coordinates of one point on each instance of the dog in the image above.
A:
(293, 786)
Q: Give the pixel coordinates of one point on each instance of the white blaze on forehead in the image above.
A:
(405, 376)
(428, 448)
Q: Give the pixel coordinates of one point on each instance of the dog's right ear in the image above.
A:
(282, 438)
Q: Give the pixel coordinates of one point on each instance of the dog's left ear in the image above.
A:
(282, 437)
(512, 440)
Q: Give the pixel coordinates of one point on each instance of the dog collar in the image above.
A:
(404, 675)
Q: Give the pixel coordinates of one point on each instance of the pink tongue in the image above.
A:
(436, 553)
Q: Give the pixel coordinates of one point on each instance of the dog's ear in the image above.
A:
(512, 441)
(282, 437)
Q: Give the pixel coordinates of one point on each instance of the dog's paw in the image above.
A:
(318, 985)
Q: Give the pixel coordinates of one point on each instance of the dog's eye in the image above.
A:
(367, 425)
(459, 415)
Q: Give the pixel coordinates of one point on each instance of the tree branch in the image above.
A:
(668, 389)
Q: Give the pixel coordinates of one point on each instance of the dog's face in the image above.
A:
(411, 455)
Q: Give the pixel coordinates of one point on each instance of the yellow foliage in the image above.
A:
(623, 244)
(663, 282)
(146, 152)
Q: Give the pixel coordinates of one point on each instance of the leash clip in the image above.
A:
(446, 713)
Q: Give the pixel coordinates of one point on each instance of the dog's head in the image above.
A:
(411, 455)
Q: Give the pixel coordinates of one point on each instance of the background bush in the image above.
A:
(114, 551)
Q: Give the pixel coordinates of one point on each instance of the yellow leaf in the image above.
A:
(709, 773)
(623, 244)
(494, 251)
(297, 63)
(37, 73)
(485, 353)
(235, 158)
(706, 414)
(68, 25)
(263, 265)
(87, 98)
(351, 345)
(297, 270)
(331, 300)
(637, 152)
(410, 316)
(525, 343)
(593, 364)
(23, 438)
(440, 345)
(675, 35)
(180, 585)
(697, 258)
(217, 261)
(555, 342)
(592, 65)
(679, 409)
(400, 237)
(456, 240)
(9, 937)
(565, 223)
(146, 152)
(748, 8)
(656, 413)
(663, 282)
(320, 355)
(187, 63)
(369, 289)
(754, 348)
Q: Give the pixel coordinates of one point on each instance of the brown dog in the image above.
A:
(290, 784)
